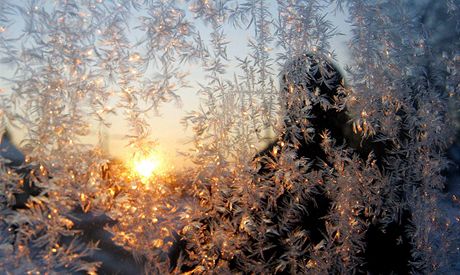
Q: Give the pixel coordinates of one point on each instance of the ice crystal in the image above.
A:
(308, 203)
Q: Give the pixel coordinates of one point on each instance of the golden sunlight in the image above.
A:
(146, 167)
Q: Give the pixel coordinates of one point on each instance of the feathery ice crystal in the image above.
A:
(67, 66)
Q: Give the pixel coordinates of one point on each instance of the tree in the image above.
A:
(72, 64)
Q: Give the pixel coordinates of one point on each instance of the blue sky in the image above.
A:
(166, 128)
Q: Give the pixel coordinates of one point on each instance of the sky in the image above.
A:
(166, 128)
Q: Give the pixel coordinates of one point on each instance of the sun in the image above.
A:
(146, 167)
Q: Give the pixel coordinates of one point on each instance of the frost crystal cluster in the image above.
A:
(309, 203)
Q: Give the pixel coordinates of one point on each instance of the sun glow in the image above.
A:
(148, 166)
